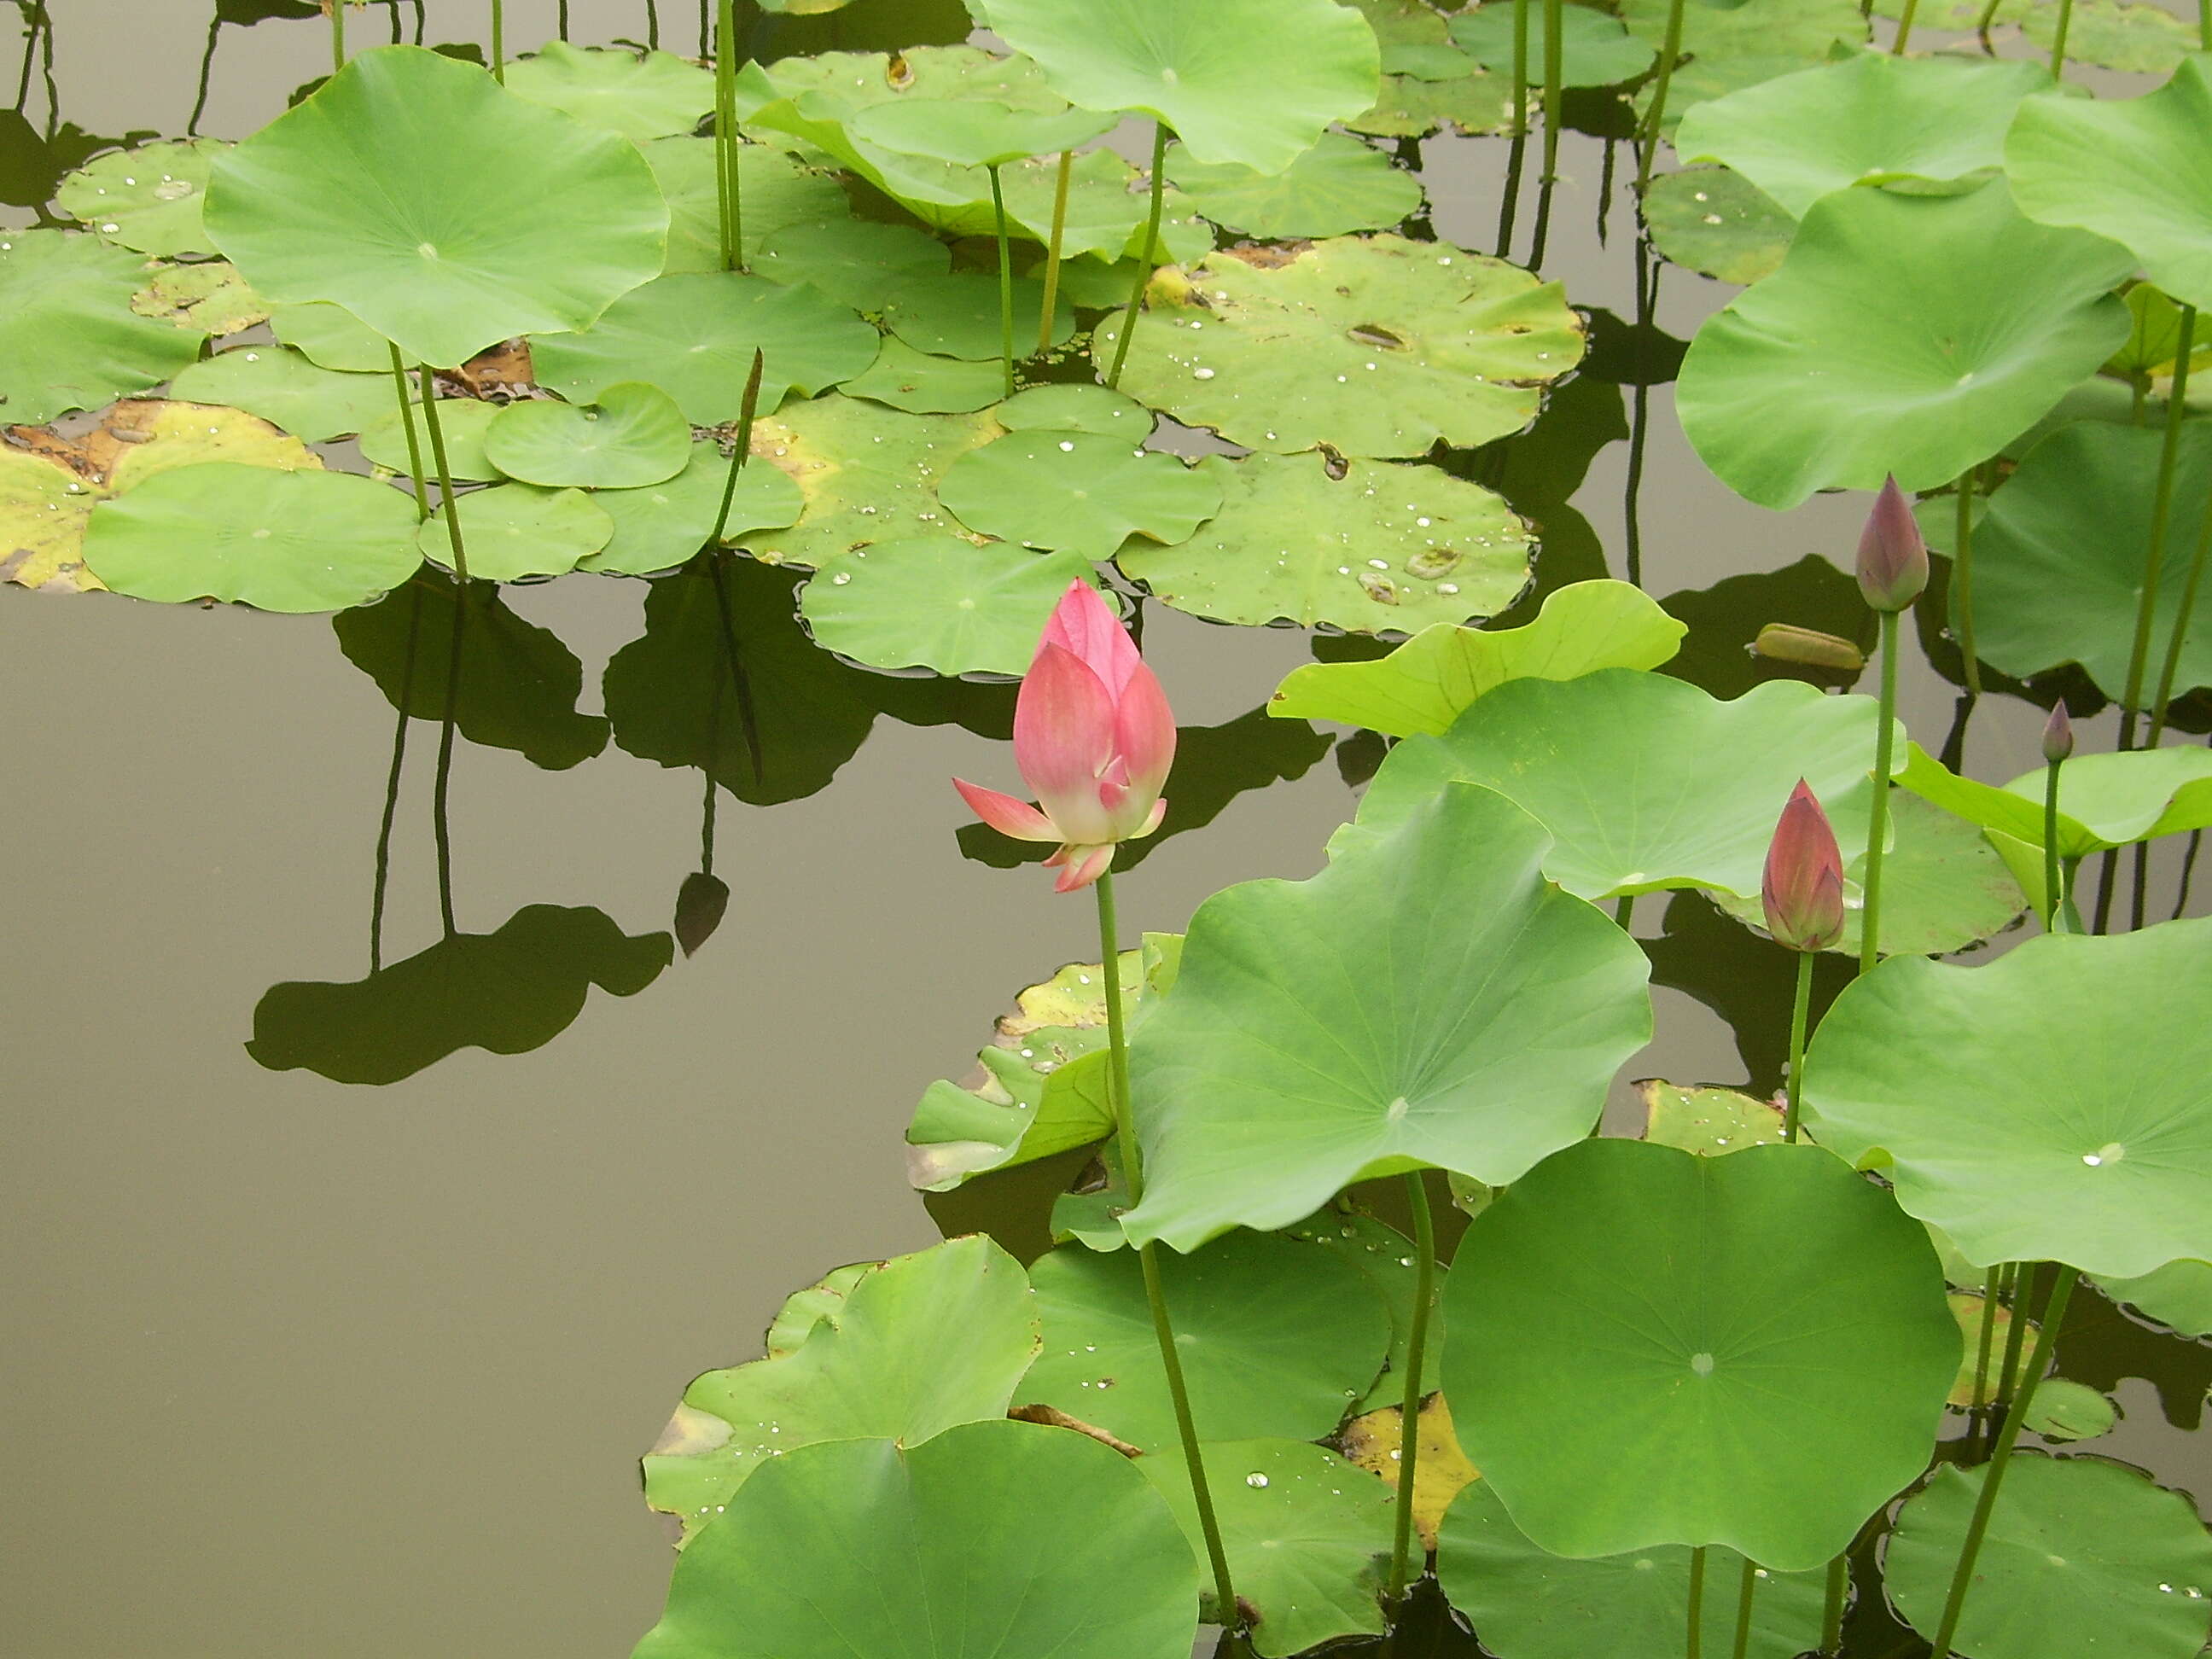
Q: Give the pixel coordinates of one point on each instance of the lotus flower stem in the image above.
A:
(1800, 1006)
(414, 443)
(1007, 282)
(1144, 257)
(1554, 47)
(1654, 120)
(1904, 26)
(446, 500)
(2054, 894)
(1416, 1343)
(1832, 1610)
(2184, 614)
(1747, 1591)
(729, 187)
(499, 41)
(1695, 1644)
(2054, 1312)
(1878, 818)
(746, 410)
(1962, 583)
(2058, 39)
(1060, 183)
(2161, 510)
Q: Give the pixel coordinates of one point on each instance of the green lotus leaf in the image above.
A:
(436, 234)
(1073, 490)
(511, 531)
(505, 992)
(633, 436)
(465, 422)
(937, 601)
(922, 384)
(2016, 1105)
(919, 1343)
(1341, 184)
(1804, 29)
(207, 298)
(641, 99)
(1308, 1537)
(148, 199)
(775, 191)
(1386, 1256)
(1699, 79)
(2178, 1295)
(2065, 1411)
(658, 527)
(1365, 546)
(854, 261)
(1412, 106)
(1277, 1338)
(957, 315)
(294, 541)
(2103, 800)
(1529, 1604)
(694, 337)
(2134, 170)
(1371, 345)
(2154, 337)
(1868, 121)
(68, 338)
(984, 1542)
(1428, 682)
(2081, 1556)
(1706, 1120)
(1595, 49)
(1875, 350)
(973, 132)
(1252, 82)
(1076, 407)
(1632, 1361)
(955, 200)
(330, 337)
(869, 473)
(803, 1312)
(1718, 223)
(281, 386)
(2115, 34)
(1403, 25)
(1107, 207)
(1643, 781)
(1397, 1054)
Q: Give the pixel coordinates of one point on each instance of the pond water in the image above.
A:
(297, 1366)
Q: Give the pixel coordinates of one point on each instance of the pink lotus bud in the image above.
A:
(2057, 735)
(1094, 738)
(1892, 559)
(1804, 886)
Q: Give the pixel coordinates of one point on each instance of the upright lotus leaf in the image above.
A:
(856, 261)
(777, 193)
(2178, 1295)
(465, 423)
(2135, 38)
(146, 199)
(514, 531)
(1073, 490)
(2103, 800)
(634, 435)
(973, 132)
(869, 473)
(317, 405)
(1718, 223)
(987, 1540)
(1364, 546)
(694, 337)
(1252, 82)
(641, 99)
(1875, 349)
(210, 297)
(658, 527)
(506, 992)
(1530, 1604)
(2081, 1556)
(1277, 1339)
(68, 338)
(1338, 185)
(1428, 682)
(1370, 345)
(1595, 49)
(1870, 120)
(1325, 1031)
(921, 383)
(411, 190)
(2025, 1107)
(917, 1345)
(1307, 1534)
(1648, 1348)
(1642, 781)
(939, 601)
(957, 314)
(955, 200)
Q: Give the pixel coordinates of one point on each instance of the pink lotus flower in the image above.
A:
(1094, 738)
(1893, 565)
(1803, 890)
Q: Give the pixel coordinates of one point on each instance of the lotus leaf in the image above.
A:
(869, 473)
(1396, 1057)
(148, 199)
(1308, 1537)
(465, 422)
(2016, 1105)
(1074, 490)
(1634, 1363)
(955, 200)
(1717, 223)
(44, 507)
(2103, 800)
(1277, 1339)
(511, 531)
(2178, 1295)
(983, 1542)
(861, 80)
(1076, 407)
(973, 132)
(278, 385)
(2154, 337)
(1341, 184)
(68, 338)
(658, 527)
(208, 298)
(919, 1343)
(1365, 546)
(1373, 346)
(1107, 213)
(435, 234)
(330, 337)
(2117, 34)
(635, 436)
(776, 192)
(2065, 1411)
(1252, 82)
(803, 1312)
(2081, 1557)
(937, 601)
(1706, 1120)
(505, 992)
(1386, 1256)
(1595, 49)
(641, 99)
(958, 315)
(1427, 682)
(1716, 75)
(1412, 106)
(1530, 1604)
(1376, 1440)
(1805, 29)
(922, 384)
(694, 336)
(854, 261)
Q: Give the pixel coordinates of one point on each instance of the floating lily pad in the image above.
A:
(1364, 546)
(957, 315)
(983, 1542)
(634, 435)
(694, 337)
(511, 531)
(1718, 223)
(1395, 1056)
(295, 541)
(281, 386)
(2115, 34)
(973, 132)
(1076, 407)
(1427, 682)
(1079, 492)
(44, 507)
(940, 602)
(1412, 106)
(330, 337)
(2081, 1557)
(1595, 49)
(1707, 1120)
(1376, 1440)
(854, 261)
(2066, 1413)
(69, 337)
(2016, 1105)
(1341, 184)
(1805, 29)
(922, 384)
(656, 96)
(2178, 1295)
(1386, 1256)
(1277, 1339)
(1634, 1362)
(869, 473)
(208, 298)
(1781, 400)
(465, 423)
(1252, 82)
(437, 236)
(775, 191)
(658, 527)
(1373, 346)
(148, 199)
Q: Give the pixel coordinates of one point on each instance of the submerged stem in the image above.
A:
(414, 443)
(1007, 282)
(1878, 819)
(1144, 255)
(2161, 509)
(1052, 248)
(1962, 583)
(1799, 1005)
(1417, 1342)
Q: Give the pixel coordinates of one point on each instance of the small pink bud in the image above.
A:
(1892, 559)
(1803, 890)
(2057, 735)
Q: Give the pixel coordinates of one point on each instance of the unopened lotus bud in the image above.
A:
(1803, 889)
(2057, 735)
(1892, 559)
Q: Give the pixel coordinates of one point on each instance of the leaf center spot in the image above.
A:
(1398, 1109)
(2111, 1152)
(428, 250)
(1702, 1363)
